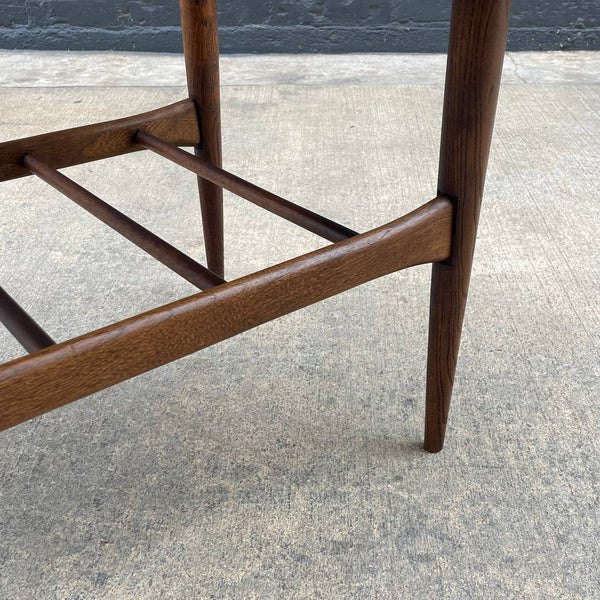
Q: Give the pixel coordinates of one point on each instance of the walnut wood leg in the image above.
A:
(201, 48)
(476, 51)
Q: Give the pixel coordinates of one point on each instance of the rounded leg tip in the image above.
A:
(435, 434)
(433, 448)
(433, 443)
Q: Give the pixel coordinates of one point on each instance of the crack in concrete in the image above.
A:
(516, 67)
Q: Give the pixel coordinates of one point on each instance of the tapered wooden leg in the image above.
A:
(201, 48)
(475, 56)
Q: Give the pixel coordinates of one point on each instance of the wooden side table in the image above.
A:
(441, 232)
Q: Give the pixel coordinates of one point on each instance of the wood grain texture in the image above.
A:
(168, 255)
(201, 48)
(176, 123)
(303, 217)
(476, 52)
(56, 376)
(27, 332)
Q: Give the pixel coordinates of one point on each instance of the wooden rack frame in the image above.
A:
(441, 232)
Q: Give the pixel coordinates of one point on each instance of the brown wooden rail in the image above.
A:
(33, 385)
(176, 123)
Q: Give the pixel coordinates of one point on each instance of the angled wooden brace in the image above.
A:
(64, 372)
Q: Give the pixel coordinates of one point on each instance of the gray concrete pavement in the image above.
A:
(118, 69)
(286, 462)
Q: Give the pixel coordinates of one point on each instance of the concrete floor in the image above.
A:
(287, 462)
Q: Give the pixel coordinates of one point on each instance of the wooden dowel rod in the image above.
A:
(177, 261)
(303, 217)
(28, 333)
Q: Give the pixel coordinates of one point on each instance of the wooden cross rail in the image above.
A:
(176, 123)
(27, 332)
(177, 261)
(303, 217)
(33, 385)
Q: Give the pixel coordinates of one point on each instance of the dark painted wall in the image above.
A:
(286, 25)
